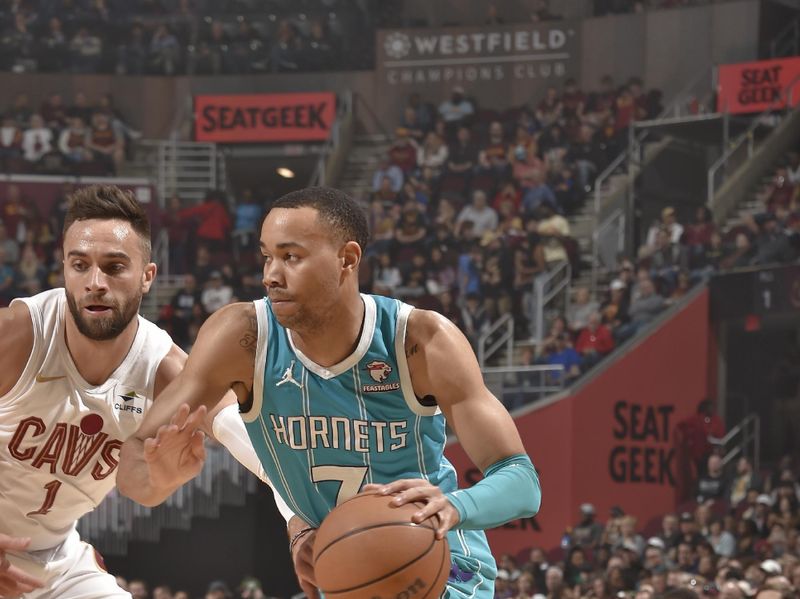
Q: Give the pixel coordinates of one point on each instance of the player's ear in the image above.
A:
(148, 276)
(350, 255)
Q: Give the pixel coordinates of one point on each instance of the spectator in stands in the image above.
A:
(615, 308)
(10, 143)
(456, 109)
(163, 54)
(493, 156)
(410, 125)
(52, 48)
(549, 110)
(138, 589)
(54, 112)
(482, 216)
(554, 230)
(286, 49)
(7, 290)
(580, 309)
(744, 480)
(73, 142)
(320, 51)
(132, 55)
(387, 277)
(423, 112)
(218, 590)
(595, 341)
(670, 533)
(772, 243)
(387, 171)
(214, 222)
(713, 484)
(185, 304)
(587, 532)
(21, 110)
(667, 223)
(474, 318)
(536, 193)
(403, 151)
(643, 309)
(462, 157)
(740, 255)
(668, 259)
(30, 275)
(107, 148)
(9, 246)
(217, 293)
(85, 51)
(432, 154)
(722, 541)
(37, 141)
(560, 352)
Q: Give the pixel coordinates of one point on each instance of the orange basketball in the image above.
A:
(366, 548)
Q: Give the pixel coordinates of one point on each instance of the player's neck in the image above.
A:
(337, 338)
(97, 360)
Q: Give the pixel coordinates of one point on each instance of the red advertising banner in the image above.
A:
(758, 86)
(264, 117)
(612, 442)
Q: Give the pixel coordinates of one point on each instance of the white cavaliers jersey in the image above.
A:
(59, 435)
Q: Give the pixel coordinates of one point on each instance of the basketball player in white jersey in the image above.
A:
(78, 371)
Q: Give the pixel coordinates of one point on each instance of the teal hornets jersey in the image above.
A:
(323, 432)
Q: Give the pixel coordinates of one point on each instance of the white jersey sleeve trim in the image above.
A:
(261, 361)
(38, 350)
(403, 312)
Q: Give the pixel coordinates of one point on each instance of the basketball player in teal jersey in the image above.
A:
(342, 392)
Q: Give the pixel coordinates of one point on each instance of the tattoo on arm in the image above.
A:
(412, 350)
(249, 339)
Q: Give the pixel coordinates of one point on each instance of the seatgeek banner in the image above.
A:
(757, 86)
(264, 118)
(613, 442)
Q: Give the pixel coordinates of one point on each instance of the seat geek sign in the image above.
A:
(757, 86)
(459, 56)
(264, 117)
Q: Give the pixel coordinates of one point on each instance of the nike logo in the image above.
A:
(288, 377)
(40, 378)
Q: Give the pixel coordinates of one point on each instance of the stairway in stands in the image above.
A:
(362, 161)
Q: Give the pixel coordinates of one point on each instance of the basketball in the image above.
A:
(367, 548)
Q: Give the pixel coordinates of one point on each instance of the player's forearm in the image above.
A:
(510, 490)
(133, 476)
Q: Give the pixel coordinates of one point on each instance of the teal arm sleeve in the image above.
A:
(509, 490)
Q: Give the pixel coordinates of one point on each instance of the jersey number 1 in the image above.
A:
(52, 488)
(350, 477)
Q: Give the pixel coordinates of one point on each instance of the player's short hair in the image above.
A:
(109, 202)
(335, 207)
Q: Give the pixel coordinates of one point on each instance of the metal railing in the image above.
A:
(787, 42)
(337, 143)
(548, 288)
(516, 386)
(690, 100)
(118, 520)
(608, 242)
(500, 334)
(743, 147)
(744, 439)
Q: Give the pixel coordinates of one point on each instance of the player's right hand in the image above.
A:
(302, 558)
(177, 453)
(13, 581)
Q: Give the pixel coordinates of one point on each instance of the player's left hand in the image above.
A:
(410, 490)
(177, 453)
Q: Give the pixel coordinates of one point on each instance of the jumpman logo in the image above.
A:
(288, 377)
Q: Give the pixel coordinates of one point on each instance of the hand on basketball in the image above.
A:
(410, 490)
(177, 453)
(302, 556)
(13, 581)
